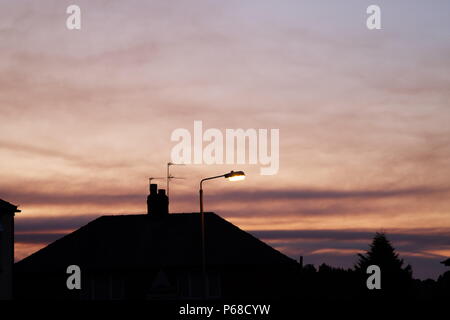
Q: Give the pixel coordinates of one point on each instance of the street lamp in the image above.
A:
(231, 176)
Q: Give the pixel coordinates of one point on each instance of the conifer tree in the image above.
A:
(394, 275)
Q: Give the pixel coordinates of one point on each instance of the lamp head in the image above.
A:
(235, 176)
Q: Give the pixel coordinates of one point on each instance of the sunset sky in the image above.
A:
(87, 115)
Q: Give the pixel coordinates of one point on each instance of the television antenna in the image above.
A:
(169, 176)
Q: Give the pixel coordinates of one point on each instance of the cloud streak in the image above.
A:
(58, 198)
(78, 161)
(416, 239)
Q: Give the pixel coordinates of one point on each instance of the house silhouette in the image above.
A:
(7, 213)
(157, 256)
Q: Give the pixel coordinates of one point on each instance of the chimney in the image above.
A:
(157, 202)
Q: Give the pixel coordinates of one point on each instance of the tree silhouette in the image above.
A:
(395, 276)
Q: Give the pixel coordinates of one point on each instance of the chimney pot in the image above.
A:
(157, 202)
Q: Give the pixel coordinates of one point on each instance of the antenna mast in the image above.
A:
(169, 176)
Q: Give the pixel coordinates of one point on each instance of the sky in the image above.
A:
(87, 116)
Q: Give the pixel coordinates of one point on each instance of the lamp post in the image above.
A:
(231, 176)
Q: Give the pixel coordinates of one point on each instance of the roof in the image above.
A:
(144, 241)
(8, 207)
